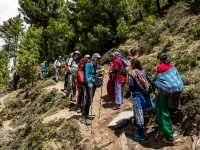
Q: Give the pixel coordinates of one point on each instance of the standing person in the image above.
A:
(89, 76)
(119, 69)
(67, 71)
(168, 83)
(16, 79)
(43, 70)
(80, 78)
(111, 82)
(71, 76)
(57, 68)
(140, 89)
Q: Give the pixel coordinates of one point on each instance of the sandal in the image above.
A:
(171, 143)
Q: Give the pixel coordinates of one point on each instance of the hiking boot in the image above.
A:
(78, 110)
(83, 119)
(88, 121)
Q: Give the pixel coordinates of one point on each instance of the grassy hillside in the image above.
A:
(25, 110)
(178, 33)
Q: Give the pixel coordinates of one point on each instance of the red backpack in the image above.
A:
(80, 72)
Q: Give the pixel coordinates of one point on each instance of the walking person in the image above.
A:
(140, 89)
(80, 79)
(67, 72)
(57, 68)
(16, 79)
(90, 75)
(72, 64)
(168, 83)
(43, 70)
(111, 82)
(120, 71)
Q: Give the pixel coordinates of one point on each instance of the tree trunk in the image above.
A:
(170, 2)
(158, 7)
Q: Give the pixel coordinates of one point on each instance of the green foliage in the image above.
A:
(10, 32)
(184, 61)
(99, 24)
(52, 17)
(32, 103)
(28, 54)
(195, 31)
(4, 74)
(148, 32)
(193, 5)
(59, 134)
(39, 12)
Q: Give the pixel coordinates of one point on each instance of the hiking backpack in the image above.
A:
(169, 82)
(142, 81)
(80, 72)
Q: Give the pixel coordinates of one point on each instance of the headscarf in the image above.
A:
(117, 54)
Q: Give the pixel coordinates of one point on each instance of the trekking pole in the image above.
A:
(91, 111)
(100, 104)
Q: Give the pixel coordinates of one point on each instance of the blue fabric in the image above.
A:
(89, 73)
(169, 82)
(43, 67)
(141, 101)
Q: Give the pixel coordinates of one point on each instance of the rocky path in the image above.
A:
(99, 136)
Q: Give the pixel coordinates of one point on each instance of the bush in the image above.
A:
(148, 32)
(4, 73)
(59, 134)
(193, 5)
(184, 61)
(195, 31)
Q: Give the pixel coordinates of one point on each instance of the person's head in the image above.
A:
(118, 50)
(76, 54)
(96, 57)
(135, 64)
(59, 57)
(117, 55)
(87, 56)
(164, 58)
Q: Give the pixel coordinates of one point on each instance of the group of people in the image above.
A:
(82, 77)
(167, 86)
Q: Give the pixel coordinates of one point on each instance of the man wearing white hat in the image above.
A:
(72, 67)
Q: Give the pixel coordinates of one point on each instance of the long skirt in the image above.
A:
(119, 92)
(111, 88)
(163, 117)
(140, 102)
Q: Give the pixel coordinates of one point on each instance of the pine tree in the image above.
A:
(10, 31)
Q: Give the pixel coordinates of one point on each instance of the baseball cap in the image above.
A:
(97, 55)
(87, 56)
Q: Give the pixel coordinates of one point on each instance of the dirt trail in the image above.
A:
(99, 136)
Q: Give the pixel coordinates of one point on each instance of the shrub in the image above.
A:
(195, 31)
(184, 61)
(193, 5)
(59, 134)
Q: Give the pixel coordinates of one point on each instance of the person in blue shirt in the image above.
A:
(89, 75)
(43, 70)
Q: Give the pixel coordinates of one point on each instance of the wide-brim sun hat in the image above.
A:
(77, 52)
(97, 55)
